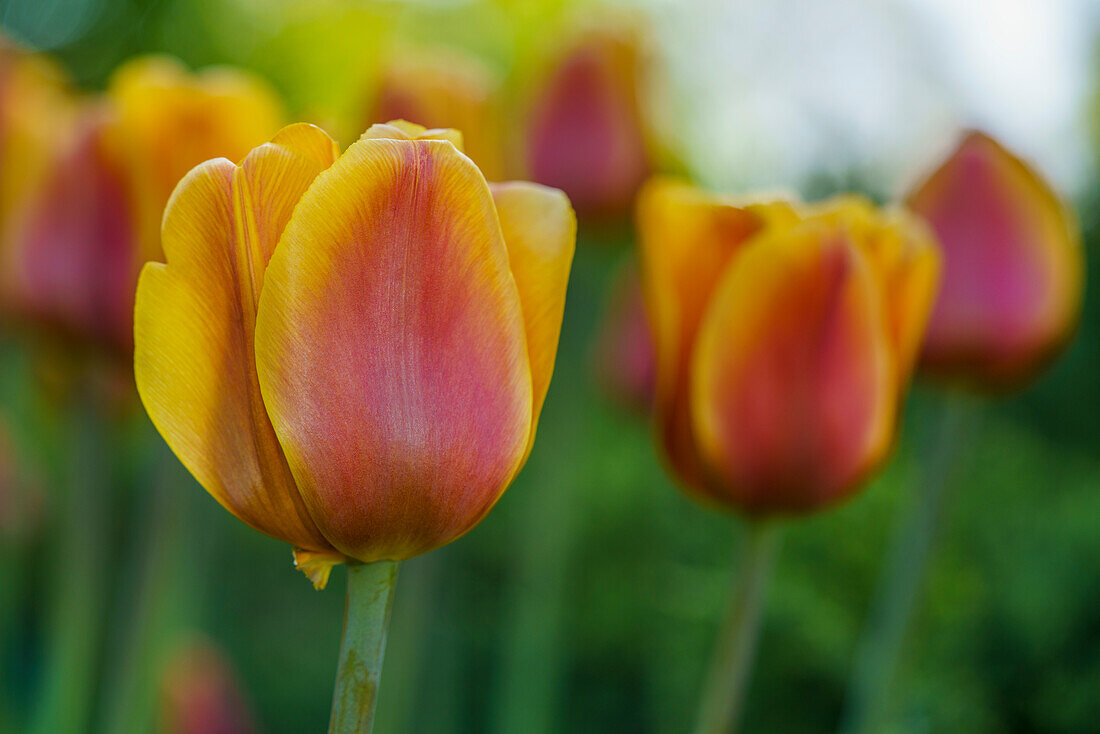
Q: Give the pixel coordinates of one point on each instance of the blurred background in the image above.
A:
(587, 601)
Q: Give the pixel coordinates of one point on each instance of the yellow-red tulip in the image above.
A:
(785, 335)
(586, 133)
(445, 89)
(170, 120)
(1013, 267)
(93, 219)
(350, 352)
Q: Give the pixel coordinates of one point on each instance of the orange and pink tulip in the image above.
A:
(93, 218)
(1013, 267)
(785, 336)
(350, 351)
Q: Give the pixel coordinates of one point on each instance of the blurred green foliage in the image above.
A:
(588, 599)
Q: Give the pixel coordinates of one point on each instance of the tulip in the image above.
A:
(586, 134)
(445, 89)
(624, 360)
(170, 120)
(760, 407)
(73, 265)
(200, 695)
(1013, 267)
(94, 219)
(1012, 287)
(350, 352)
(785, 337)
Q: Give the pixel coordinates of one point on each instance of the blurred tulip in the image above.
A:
(785, 336)
(343, 349)
(624, 359)
(170, 120)
(586, 134)
(1013, 267)
(445, 89)
(200, 695)
(71, 262)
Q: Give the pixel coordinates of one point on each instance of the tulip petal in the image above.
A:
(540, 231)
(1013, 266)
(404, 130)
(194, 322)
(391, 351)
(793, 381)
(686, 239)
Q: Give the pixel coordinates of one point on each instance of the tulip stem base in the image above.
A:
(900, 582)
(735, 649)
(366, 621)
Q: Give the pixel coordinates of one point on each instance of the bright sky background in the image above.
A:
(768, 90)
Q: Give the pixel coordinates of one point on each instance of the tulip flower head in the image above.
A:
(72, 262)
(350, 352)
(1013, 267)
(785, 335)
(586, 134)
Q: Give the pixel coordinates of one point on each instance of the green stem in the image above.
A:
(76, 612)
(735, 650)
(366, 619)
(153, 606)
(899, 585)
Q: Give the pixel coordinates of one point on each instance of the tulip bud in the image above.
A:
(350, 352)
(1013, 267)
(624, 359)
(169, 120)
(586, 134)
(445, 89)
(72, 262)
(200, 695)
(785, 335)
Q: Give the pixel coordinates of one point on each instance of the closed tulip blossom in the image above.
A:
(586, 133)
(1013, 275)
(94, 219)
(1013, 267)
(350, 352)
(785, 336)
